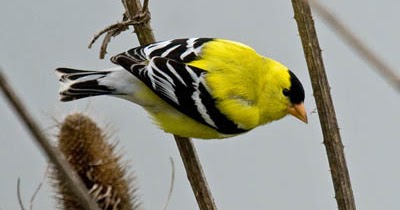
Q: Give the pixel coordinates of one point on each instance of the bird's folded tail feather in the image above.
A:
(76, 84)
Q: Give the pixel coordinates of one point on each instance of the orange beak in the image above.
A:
(298, 111)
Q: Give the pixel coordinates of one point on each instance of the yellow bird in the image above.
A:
(198, 87)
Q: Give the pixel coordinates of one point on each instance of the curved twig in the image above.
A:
(38, 187)
(115, 29)
(21, 204)
(171, 185)
(105, 30)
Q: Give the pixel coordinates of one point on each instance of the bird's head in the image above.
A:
(295, 95)
(283, 93)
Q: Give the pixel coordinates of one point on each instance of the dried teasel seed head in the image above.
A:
(85, 147)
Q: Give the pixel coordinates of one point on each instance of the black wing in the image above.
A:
(180, 85)
(182, 50)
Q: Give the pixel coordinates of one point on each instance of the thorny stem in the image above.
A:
(326, 112)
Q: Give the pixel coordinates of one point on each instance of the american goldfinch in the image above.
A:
(198, 87)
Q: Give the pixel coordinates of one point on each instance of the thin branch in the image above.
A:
(140, 22)
(115, 29)
(145, 6)
(105, 30)
(357, 45)
(326, 112)
(21, 204)
(195, 173)
(73, 181)
(171, 185)
(106, 40)
(38, 188)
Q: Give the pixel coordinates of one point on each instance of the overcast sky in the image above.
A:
(282, 165)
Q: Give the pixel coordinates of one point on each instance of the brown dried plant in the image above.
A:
(94, 159)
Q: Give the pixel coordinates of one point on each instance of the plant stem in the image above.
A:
(73, 181)
(195, 173)
(326, 112)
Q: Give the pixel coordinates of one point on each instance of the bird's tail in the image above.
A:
(76, 84)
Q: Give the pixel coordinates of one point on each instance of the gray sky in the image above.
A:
(279, 166)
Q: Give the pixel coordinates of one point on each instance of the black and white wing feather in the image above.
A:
(182, 50)
(182, 86)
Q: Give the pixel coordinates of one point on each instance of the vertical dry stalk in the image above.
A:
(195, 173)
(72, 180)
(143, 30)
(332, 140)
(86, 148)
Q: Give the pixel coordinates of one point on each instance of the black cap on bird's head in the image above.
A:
(296, 90)
(296, 97)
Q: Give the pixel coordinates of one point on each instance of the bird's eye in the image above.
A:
(286, 92)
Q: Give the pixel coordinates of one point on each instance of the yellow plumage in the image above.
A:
(172, 121)
(213, 88)
(244, 82)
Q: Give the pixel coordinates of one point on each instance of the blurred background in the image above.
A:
(279, 166)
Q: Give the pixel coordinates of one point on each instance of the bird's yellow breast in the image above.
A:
(243, 82)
